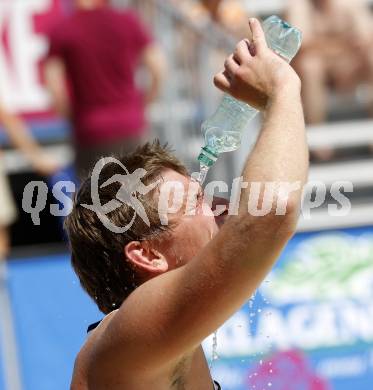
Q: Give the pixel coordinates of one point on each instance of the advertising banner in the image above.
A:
(310, 325)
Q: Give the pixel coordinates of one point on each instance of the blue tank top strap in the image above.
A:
(93, 326)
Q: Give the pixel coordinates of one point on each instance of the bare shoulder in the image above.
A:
(85, 357)
(79, 379)
(80, 374)
(99, 363)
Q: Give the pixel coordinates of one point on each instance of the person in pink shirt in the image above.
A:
(97, 50)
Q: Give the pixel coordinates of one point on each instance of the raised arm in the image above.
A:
(22, 139)
(155, 64)
(171, 314)
(55, 82)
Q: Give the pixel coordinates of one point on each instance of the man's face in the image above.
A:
(194, 223)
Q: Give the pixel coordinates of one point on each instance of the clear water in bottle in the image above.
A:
(223, 130)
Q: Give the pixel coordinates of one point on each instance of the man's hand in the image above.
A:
(44, 164)
(21, 138)
(254, 73)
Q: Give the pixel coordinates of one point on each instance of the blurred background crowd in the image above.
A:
(80, 79)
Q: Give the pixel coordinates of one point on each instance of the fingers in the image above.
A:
(221, 81)
(242, 53)
(259, 40)
(231, 65)
(251, 47)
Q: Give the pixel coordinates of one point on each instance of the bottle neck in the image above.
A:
(207, 156)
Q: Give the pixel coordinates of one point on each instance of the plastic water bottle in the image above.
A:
(223, 130)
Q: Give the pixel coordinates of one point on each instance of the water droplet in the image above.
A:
(201, 176)
(215, 355)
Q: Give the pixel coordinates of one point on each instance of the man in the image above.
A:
(174, 285)
(99, 49)
(337, 48)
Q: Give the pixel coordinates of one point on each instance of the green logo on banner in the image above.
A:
(323, 268)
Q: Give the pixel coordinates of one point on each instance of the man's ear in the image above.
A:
(145, 258)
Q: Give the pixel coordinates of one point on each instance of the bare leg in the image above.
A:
(369, 55)
(4, 242)
(312, 71)
(4, 250)
(370, 98)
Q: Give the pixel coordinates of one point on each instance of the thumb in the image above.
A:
(259, 40)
